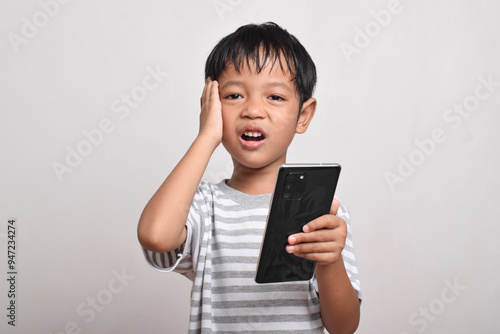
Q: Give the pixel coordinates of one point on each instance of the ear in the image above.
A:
(306, 115)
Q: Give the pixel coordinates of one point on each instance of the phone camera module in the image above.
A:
(295, 185)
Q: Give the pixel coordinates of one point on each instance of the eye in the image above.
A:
(276, 98)
(233, 96)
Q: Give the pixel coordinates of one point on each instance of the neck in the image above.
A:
(254, 181)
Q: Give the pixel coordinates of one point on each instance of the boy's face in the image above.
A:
(260, 114)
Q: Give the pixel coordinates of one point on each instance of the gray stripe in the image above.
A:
(163, 260)
(153, 260)
(240, 232)
(233, 207)
(167, 259)
(241, 245)
(348, 249)
(264, 303)
(206, 286)
(246, 319)
(263, 288)
(285, 318)
(349, 260)
(147, 254)
(317, 330)
(234, 259)
(233, 274)
(257, 303)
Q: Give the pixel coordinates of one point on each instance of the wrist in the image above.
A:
(210, 142)
(336, 268)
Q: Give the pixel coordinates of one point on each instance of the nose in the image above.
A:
(253, 108)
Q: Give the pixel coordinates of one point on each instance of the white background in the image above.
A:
(431, 225)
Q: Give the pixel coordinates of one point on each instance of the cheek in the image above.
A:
(287, 126)
(227, 122)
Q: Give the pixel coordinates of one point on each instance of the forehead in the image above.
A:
(270, 74)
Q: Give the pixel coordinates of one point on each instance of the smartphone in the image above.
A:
(303, 192)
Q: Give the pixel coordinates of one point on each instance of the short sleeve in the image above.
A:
(178, 260)
(348, 252)
(183, 259)
(347, 255)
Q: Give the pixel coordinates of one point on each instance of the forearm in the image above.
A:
(162, 223)
(338, 300)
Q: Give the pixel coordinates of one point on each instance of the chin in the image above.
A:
(254, 159)
(255, 162)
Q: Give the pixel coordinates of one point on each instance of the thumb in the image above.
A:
(335, 207)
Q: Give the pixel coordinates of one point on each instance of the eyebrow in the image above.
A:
(270, 84)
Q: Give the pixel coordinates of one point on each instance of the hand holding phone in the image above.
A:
(322, 239)
(303, 194)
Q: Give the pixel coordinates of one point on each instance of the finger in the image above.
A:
(335, 207)
(321, 252)
(325, 221)
(321, 258)
(325, 235)
(315, 247)
(214, 91)
(206, 89)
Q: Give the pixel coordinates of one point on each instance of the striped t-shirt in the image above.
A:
(224, 234)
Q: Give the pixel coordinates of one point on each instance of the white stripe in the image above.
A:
(268, 326)
(271, 310)
(238, 214)
(250, 224)
(299, 295)
(249, 239)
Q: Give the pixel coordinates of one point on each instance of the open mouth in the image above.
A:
(252, 136)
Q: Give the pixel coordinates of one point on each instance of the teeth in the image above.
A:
(252, 134)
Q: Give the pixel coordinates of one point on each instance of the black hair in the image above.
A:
(247, 43)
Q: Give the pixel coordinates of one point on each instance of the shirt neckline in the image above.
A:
(241, 197)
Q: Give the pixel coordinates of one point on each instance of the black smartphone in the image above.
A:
(303, 192)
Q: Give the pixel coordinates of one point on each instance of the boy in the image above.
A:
(257, 95)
